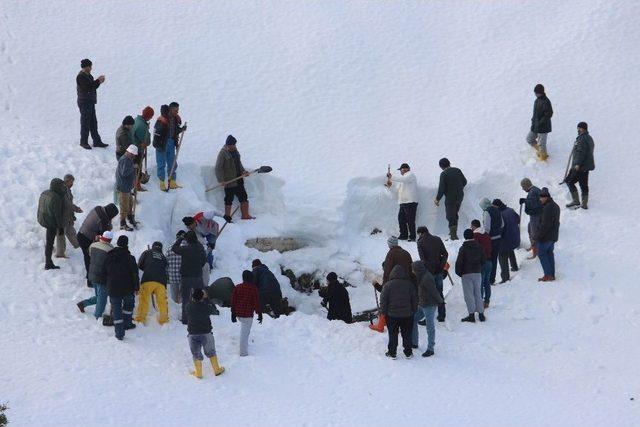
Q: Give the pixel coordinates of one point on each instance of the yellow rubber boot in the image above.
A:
(173, 185)
(163, 187)
(217, 369)
(198, 372)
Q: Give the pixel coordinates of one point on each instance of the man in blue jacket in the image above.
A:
(268, 287)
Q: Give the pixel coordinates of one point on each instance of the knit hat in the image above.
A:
(444, 163)
(190, 236)
(404, 166)
(111, 210)
(187, 220)
(128, 121)
(147, 113)
(123, 241)
(85, 63)
(255, 263)
(247, 276)
(332, 277)
(422, 230)
(107, 236)
(583, 125)
(132, 149)
(484, 203)
(392, 241)
(157, 245)
(197, 294)
(526, 183)
(544, 192)
(498, 203)
(538, 89)
(231, 140)
(468, 234)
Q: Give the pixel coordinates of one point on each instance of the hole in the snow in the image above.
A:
(280, 244)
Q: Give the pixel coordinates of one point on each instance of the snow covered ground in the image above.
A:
(328, 93)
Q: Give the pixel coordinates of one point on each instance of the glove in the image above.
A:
(377, 286)
(184, 128)
(60, 231)
(522, 200)
(233, 318)
(211, 246)
(227, 218)
(260, 318)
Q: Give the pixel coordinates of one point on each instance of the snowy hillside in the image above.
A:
(328, 93)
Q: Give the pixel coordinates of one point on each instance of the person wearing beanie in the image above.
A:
(199, 333)
(493, 224)
(97, 221)
(336, 299)
(125, 179)
(533, 208)
(244, 302)
(540, 123)
(398, 304)
(434, 255)
(469, 267)
(141, 138)
(165, 140)
(547, 235)
(153, 283)
(50, 217)
(98, 252)
(268, 288)
(509, 240)
(173, 270)
(124, 136)
(228, 168)
(429, 298)
(408, 201)
(193, 259)
(582, 163)
(69, 209)
(86, 87)
(483, 239)
(123, 282)
(451, 187)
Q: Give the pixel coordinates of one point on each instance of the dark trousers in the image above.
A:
(274, 300)
(504, 258)
(237, 191)
(122, 308)
(494, 260)
(407, 220)
(405, 326)
(48, 245)
(451, 211)
(84, 245)
(88, 123)
(442, 311)
(582, 178)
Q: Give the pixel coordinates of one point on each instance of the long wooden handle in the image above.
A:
(225, 224)
(175, 159)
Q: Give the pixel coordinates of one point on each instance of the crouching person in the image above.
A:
(200, 336)
(469, 267)
(245, 302)
(429, 299)
(337, 299)
(154, 282)
(122, 283)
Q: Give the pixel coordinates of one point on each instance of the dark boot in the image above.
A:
(50, 266)
(585, 201)
(80, 307)
(100, 144)
(575, 202)
(227, 213)
(132, 220)
(124, 226)
(481, 317)
(107, 320)
(453, 232)
(470, 318)
(85, 146)
(390, 355)
(428, 353)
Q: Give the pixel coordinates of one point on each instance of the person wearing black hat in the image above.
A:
(469, 268)
(229, 167)
(547, 235)
(86, 87)
(193, 259)
(97, 221)
(124, 136)
(509, 240)
(336, 298)
(173, 270)
(408, 201)
(122, 283)
(268, 287)
(452, 183)
(154, 282)
(582, 163)
(540, 122)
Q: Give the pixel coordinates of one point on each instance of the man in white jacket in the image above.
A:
(408, 201)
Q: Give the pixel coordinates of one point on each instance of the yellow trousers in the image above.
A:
(146, 290)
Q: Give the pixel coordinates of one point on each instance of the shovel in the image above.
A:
(261, 169)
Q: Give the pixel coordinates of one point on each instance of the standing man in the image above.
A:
(582, 163)
(493, 224)
(408, 201)
(533, 208)
(483, 239)
(469, 267)
(268, 288)
(228, 167)
(50, 207)
(452, 183)
(122, 284)
(173, 270)
(244, 302)
(124, 137)
(87, 99)
(547, 235)
(433, 253)
(125, 176)
(429, 298)
(398, 303)
(509, 241)
(193, 258)
(68, 218)
(540, 122)
(141, 138)
(175, 129)
(160, 136)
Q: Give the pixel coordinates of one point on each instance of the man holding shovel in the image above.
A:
(230, 172)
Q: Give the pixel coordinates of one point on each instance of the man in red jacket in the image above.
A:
(244, 302)
(480, 236)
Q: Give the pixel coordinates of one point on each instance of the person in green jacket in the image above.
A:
(140, 137)
(452, 183)
(50, 217)
(581, 164)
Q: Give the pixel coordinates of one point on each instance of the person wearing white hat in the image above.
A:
(125, 178)
(98, 274)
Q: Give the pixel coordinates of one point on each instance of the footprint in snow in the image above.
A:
(556, 308)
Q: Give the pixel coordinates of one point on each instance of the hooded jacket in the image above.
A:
(532, 205)
(265, 280)
(396, 256)
(510, 238)
(549, 227)
(50, 205)
(484, 241)
(470, 258)
(193, 256)
(428, 294)
(432, 252)
(399, 295)
(338, 302)
(122, 273)
(154, 266)
(98, 221)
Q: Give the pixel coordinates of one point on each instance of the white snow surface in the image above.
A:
(328, 93)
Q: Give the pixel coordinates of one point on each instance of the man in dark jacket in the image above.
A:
(509, 241)
(469, 267)
(399, 302)
(154, 282)
(124, 136)
(193, 259)
(581, 164)
(547, 235)
(540, 122)
(69, 209)
(160, 136)
(483, 239)
(493, 224)
(200, 336)
(87, 98)
(97, 222)
(50, 209)
(433, 253)
(228, 167)
(452, 183)
(220, 291)
(533, 208)
(122, 283)
(98, 274)
(125, 177)
(336, 299)
(429, 298)
(268, 287)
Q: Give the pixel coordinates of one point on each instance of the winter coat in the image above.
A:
(484, 241)
(399, 295)
(583, 153)
(470, 258)
(396, 256)
(432, 251)
(245, 300)
(193, 258)
(98, 251)
(68, 208)
(161, 133)
(122, 273)
(338, 302)
(198, 320)
(124, 138)
(542, 112)
(265, 280)
(174, 127)
(86, 87)
(50, 205)
(492, 222)
(510, 238)
(452, 183)
(207, 227)
(221, 289)
(140, 131)
(532, 205)
(154, 265)
(549, 226)
(125, 175)
(428, 294)
(227, 169)
(408, 187)
(97, 222)
(174, 262)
